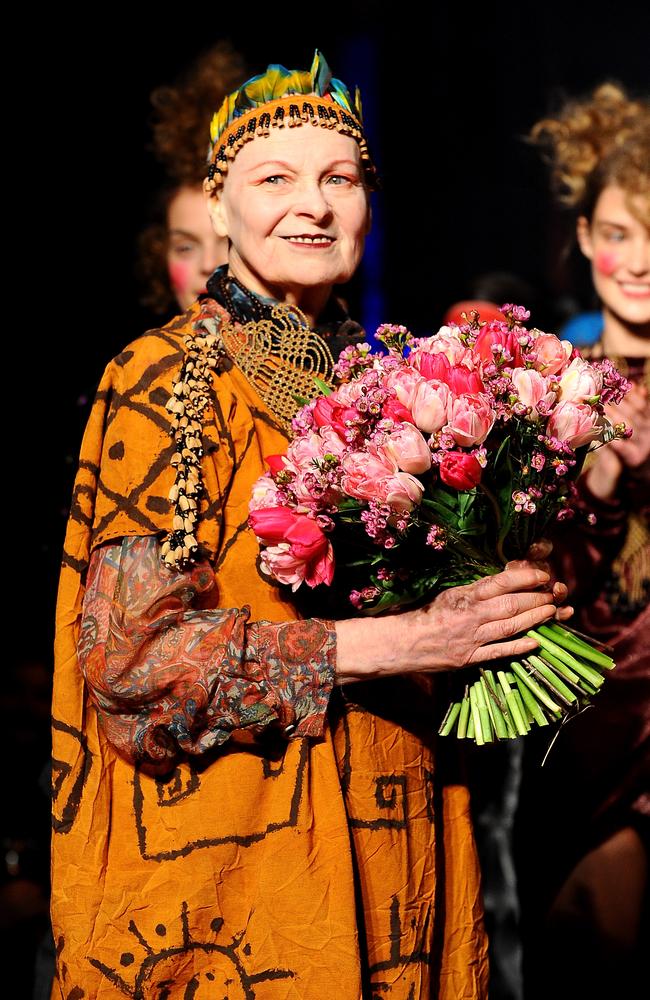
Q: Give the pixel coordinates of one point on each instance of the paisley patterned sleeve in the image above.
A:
(167, 672)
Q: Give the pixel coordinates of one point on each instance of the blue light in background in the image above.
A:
(359, 59)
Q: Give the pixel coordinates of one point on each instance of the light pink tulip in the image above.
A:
(444, 342)
(407, 447)
(362, 471)
(403, 381)
(532, 388)
(430, 405)
(348, 393)
(374, 475)
(551, 354)
(580, 381)
(265, 494)
(282, 563)
(401, 491)
(470, 419)
(575, 423)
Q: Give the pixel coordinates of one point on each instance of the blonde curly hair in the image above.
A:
(596, 142)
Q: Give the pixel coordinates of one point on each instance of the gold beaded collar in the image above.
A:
(280, 356)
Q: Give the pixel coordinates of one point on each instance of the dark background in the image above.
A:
(448, 97)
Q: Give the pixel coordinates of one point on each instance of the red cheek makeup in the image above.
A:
(606, 262)
(179, 276)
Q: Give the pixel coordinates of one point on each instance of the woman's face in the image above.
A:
(618, 245)
(296, 212)
(194, 250)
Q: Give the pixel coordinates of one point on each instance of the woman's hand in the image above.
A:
(609, 462)
(538, 554)
(461, 626)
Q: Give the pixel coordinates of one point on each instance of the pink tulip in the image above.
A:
(394, 410)
(430, 366)
(265, 494)
(551, 354)
(403, 381)
(445, 341)
(401, 491)
(406, 446)
(430, 405)
(533, 391)
(575, 423)
(362, 471)
(459, 377)
(460, 470)
(495, 335)
(275, 463)
(281, 562)
(470, 419)
(376, 476)
(329, 413)
(348, 393)
(580, 381)
(298, 548)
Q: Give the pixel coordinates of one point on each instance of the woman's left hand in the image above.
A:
(538, 554)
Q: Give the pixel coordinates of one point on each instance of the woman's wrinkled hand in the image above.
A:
(538, 555)
(463, 625)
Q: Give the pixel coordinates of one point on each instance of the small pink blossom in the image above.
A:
(436, 537)
(615, 386)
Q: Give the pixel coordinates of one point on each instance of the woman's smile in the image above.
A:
(317, 241)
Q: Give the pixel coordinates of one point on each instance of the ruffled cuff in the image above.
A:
(299, 661)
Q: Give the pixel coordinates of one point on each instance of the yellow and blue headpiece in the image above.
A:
(282, 98)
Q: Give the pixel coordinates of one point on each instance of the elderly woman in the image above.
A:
(247, 802)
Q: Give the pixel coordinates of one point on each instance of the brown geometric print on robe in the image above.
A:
(304, 869)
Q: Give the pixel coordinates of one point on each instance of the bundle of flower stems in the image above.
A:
(541, 688)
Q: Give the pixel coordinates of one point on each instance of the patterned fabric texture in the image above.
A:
(270, 868)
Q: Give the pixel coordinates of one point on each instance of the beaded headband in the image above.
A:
(279, 98)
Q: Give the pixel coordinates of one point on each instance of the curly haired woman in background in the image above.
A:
(585, 814)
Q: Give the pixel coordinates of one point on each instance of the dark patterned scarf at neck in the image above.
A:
(334, 326)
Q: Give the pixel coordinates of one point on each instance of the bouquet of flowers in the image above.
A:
(432, 465)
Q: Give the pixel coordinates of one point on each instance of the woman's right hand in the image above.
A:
(609, 462)
(462, 625)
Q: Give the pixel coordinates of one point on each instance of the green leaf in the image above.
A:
(325, 389)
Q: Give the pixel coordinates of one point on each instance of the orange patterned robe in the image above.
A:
(341, 866)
